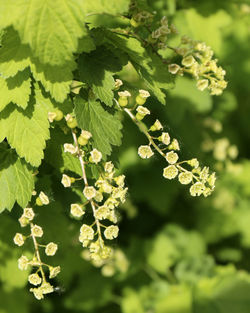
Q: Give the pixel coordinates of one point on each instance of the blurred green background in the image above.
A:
(177, 254)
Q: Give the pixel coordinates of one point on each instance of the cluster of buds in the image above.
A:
(102, 198)
(139, 17)
(117, 262)
(159, 36)
(197, 60)
(202, 182)
(38, 277)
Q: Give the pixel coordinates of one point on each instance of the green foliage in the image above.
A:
(59, 65)
(105, 127)
(16, 179)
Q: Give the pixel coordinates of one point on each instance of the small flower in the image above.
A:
(111, 232)
(124, 93)
(156, 126)
(19, 239)
(37, 231)
(34, 279)
(194, 163)
(197, 189)
(86, 232)
(23, 263)
(120, 180)
(28, 213)
(123, 98)
(170, 172)
(99, 196)
(46, 288)
(172, 157)
(68, 147)
(96, 156)
(144, 93)
(202, 84)
(86, 134)
(141, 112)
(173, 68)
(24, 221)
(66, 181)
(185, 178)
(165, 138)
(211, 180)
(76, 210)
(51, 249)
(145, 152)
(102, 212)
(118, 84)
(54, 271)
(108, 167)
(174, 145)
(44, 199)
(37, 293)
(51, 116)
(89, 192)
(188, 61)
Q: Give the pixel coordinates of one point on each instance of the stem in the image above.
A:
(143, 129)
(37, 252)
(84, 176)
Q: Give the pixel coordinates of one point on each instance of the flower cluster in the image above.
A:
(38, 278)
(189, 171)
(197, 60)
(159, 36)
(139, 16)
(102, 197)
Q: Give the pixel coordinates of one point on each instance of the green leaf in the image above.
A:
(96, 69)
(26, 130)
(16, 180)
(9, 12)
(55, 79)
(105, 127)
(51, 28)
(15, 89)
(106, 6)
(15, 56)
(228, 293)
(149, 66)
(56, 156)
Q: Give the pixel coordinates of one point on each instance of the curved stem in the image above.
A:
(84, 177)
(37, 252)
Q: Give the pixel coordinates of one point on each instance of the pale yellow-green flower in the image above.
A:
(76, 210)
(23, 263)
(54, 271)
(96, 156)
(145, 152)
(34, 279)
(170, 172)
(197, 189)
(28, 213)
(185, 178)
(89, 192)
(68, 147)
(172, 157)
(19, 239)
(37, 231)
(111, 232)
(51, 249)
(86, 232)
(165, 138)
